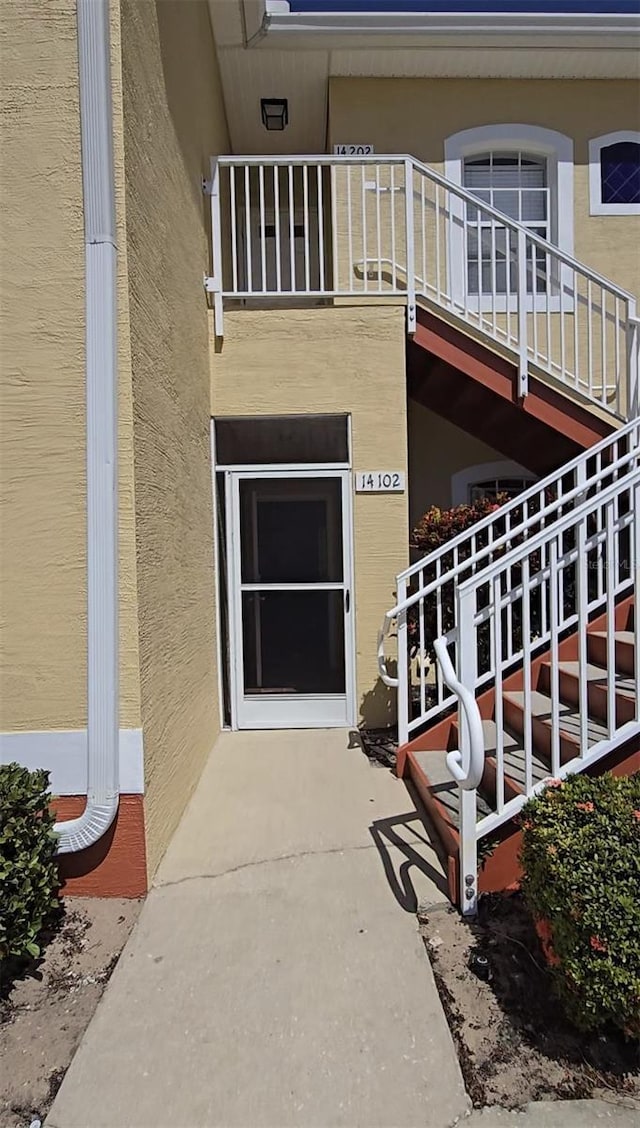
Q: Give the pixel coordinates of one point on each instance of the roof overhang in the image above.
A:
(283, 25)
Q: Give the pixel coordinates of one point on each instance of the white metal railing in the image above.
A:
(587, 560)
(515, 592)
(316, 228)
(426, 607)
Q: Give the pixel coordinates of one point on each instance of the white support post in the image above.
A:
(409, 232)
(404, 697)
(523, 359)
(633, 361)
(215, 283)
(467, 667)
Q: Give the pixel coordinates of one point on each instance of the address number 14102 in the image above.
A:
(379, 481)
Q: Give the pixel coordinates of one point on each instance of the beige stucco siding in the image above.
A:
(174, 121)
(416, 115)
(339, 360)
(43, 502)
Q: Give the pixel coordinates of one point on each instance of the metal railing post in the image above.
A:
(213, 285)
(633, 361)
(468, 671)
(410, 240)
(404, 695)
(521, 295)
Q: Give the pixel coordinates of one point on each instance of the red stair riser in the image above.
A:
(597, 696)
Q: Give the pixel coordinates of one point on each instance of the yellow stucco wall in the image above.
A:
(42, 415)
(416, 115)
(335, 360)
(174, 121)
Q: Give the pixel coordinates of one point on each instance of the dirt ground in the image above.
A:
(44, 1014)
(513, 1042)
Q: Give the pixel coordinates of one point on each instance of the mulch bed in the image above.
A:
(47, 1003)
(513, 1041)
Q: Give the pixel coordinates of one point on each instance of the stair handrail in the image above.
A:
(479, 563)
(551, 555)
(466, 765)
(538, 487)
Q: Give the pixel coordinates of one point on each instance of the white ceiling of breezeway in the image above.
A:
(298, 66)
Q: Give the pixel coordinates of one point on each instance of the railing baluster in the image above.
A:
(365, 260)
(263, 238)
(247, 228)
(421, 655)
(611, 619)
(576, 338)
(635, 564)
(534, 301)
(589, 338)
(616, 347)
(547, 306)
(423, 288)
(437, 211)
(234, 233)
(496, 597)
(305, 213)
(378, 229)
(603, 319)
(527, 732)
(320, 199)
(276, 227)
(392, 198)
(582, 580)
(292, 230)
(553, 657)
(403, 669)
(563, 344)
(350, 228)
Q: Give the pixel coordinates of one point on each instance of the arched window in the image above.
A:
(614, 174)
(526, 172)
(489, 479)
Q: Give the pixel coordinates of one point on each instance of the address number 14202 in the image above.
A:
(379, 481)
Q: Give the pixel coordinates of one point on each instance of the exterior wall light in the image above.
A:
(274, 113)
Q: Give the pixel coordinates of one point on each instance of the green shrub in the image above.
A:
(581, 864)
(28, 869)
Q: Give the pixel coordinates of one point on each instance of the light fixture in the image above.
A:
(274, 112)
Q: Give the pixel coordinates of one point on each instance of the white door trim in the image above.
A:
(337, 710)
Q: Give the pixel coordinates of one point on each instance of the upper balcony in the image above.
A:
(361, 228)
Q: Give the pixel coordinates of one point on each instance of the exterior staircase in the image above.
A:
(537, 605)
(423, 761)
(518, 643)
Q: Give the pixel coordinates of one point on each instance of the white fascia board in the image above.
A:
(306, 27)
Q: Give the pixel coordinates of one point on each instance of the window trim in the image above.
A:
(471, 475)
(556, 147)
(596, 145)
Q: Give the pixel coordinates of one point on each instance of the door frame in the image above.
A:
(297, 706)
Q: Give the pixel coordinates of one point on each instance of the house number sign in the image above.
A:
(380, 481)
(353, 150)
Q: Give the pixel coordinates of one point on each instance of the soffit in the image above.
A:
(299, 70)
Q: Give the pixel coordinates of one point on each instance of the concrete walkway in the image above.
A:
(275, 976)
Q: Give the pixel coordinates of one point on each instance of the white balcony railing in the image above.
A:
(313, 229)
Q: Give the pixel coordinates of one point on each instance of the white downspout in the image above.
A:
(94, 66)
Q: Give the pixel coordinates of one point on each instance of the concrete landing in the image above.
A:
(275, 976)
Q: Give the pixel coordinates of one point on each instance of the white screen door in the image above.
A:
(290, 598)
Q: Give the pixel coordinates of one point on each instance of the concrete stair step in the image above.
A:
(624, 649)
(541, 710)
(597, 689)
